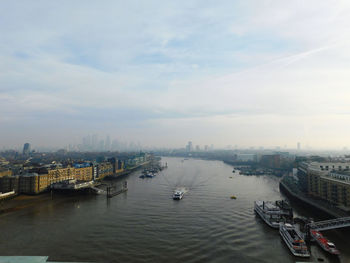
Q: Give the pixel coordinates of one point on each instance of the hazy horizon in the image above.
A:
(162, 73)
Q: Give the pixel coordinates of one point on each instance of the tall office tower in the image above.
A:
(101, 146)
(115, 145)
(108, 143)
(26, 149)
(86, 143)
(298, 146)
(94, 142)
(189, 147)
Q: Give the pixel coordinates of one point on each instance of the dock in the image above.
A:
(112, 191)
(6, 195)
(110, 194)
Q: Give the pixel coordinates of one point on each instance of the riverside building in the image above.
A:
(329, 181)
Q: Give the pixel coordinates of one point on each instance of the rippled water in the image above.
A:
(146, 225)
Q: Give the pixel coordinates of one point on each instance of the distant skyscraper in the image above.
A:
(189, 147)
(108, 143)
(298, 146)
(101, 146)
(94, 142)
(26, 149)
(115, 145)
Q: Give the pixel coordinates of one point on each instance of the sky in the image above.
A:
(247, 72)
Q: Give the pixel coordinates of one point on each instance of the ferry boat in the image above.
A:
(294, 241)
(178, 195)
(270, 213)
(324, 243)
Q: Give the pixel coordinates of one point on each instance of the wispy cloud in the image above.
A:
(138, 64)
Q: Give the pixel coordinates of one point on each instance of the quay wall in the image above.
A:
(307, 202)
(126, 171)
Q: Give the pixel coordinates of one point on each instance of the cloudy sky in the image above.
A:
(246, 73)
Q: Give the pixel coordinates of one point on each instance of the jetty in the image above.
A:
(8, 194)
(112, 190)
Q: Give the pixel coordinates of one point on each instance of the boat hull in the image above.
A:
(319, 238)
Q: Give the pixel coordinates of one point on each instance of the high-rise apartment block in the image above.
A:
(26, 149)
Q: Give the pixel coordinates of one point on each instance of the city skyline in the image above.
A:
(246, 72)
(106, 143)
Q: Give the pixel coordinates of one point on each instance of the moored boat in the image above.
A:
(294, 241)
(324, 243)
(270, 213)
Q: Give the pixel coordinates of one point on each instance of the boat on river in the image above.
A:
(323, 242)
(178, 195)
(294, 241)
(150, 175)
(272, 214)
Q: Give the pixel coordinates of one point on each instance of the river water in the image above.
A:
(146, 225)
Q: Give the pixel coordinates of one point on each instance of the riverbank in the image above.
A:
(310, 202)
(23, 201)
(128, 171)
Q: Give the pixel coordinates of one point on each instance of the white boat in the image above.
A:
(269, 212)
(294, 241)
(178, 195)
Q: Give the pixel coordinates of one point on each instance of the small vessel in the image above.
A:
(142, 176)
(234, 171)
(178, 195)
(270, 213)
(233, 197)
(149, 175)
(294, 241)
(324, 243)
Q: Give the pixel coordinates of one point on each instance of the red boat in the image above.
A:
(324, 242)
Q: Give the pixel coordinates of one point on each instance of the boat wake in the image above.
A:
(182, 189)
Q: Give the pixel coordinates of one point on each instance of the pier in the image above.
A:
(72, 185)
(330, 224)
(112, 191)
(8, 194)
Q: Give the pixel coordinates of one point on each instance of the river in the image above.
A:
(146, 225)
